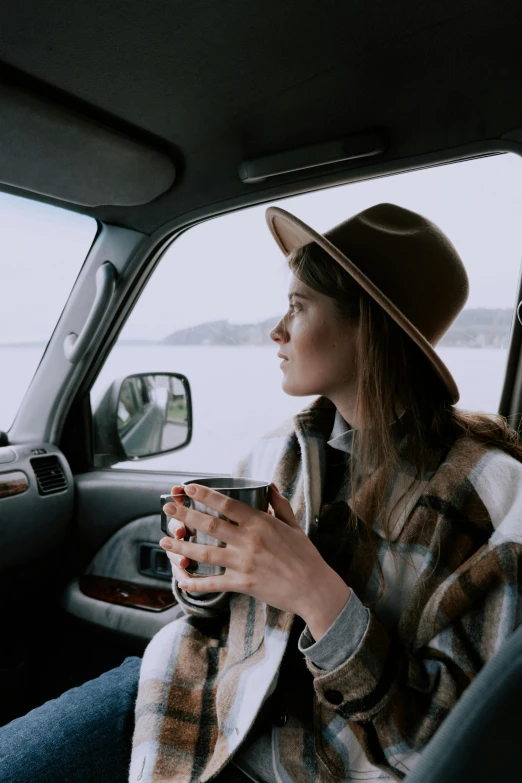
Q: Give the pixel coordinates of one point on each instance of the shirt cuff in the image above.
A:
(199, 605)
(341, 639)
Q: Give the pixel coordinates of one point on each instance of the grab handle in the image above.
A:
(75, 346)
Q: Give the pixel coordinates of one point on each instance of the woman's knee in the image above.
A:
(86, 730)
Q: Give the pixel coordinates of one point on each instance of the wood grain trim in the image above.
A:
(13, 483)
(117, 591)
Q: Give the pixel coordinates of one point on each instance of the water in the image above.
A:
(236, 392)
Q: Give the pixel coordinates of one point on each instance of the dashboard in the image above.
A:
(36, 500)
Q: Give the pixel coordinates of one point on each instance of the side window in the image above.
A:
(42, 249)
(208, 309)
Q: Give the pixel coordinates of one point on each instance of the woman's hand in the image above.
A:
(267, 556)
(178, 530)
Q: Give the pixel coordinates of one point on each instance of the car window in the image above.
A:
(42, 249)
(209, 306)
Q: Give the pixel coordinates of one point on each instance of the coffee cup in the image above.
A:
(250, 491)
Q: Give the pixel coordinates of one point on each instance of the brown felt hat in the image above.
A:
(402, 259)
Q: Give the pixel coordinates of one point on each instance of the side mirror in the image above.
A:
(142, 416)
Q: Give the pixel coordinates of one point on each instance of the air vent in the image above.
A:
(49, 475)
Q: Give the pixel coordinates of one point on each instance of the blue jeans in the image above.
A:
(83, 736)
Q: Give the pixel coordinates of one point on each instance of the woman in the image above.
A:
(348, 622)
(353, 615)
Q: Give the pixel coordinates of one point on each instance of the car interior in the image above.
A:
(145, 125)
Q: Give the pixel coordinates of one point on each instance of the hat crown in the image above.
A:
(410, 260)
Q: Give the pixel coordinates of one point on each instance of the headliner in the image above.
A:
(215, 83)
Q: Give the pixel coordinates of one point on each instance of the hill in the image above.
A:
(480, 327)
(474, 328)
(224, 333)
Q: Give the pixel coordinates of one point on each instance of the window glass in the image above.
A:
(207, 310)
(42, 249)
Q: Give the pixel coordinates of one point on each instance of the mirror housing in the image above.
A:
(142, 415)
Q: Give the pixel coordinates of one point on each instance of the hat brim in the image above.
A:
(291, 233)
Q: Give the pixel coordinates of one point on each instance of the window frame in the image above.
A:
(80, 411)
(98, 228)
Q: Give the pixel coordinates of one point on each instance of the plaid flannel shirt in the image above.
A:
(451, 599)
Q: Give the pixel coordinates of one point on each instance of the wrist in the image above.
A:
(325, 604)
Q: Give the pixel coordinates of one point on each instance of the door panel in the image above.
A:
(124, 557)
(118, 530)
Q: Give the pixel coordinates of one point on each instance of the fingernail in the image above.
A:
(190, 490)
(275, 487)
(182, 585)
(166, 543)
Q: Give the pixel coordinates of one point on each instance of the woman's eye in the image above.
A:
(294, 308)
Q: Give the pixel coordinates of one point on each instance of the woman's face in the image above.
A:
(319, 346)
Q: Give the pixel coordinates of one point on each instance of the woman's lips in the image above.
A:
(283, 362)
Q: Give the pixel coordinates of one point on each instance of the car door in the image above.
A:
(195, 305)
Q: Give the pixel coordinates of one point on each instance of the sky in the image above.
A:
(231, 268)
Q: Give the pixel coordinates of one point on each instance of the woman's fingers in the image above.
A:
(222, 529)
(178, 493)
(282, 508)
(204, 553)
(176, 527)
(178, 563)
(178, 531)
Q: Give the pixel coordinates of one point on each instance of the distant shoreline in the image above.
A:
(480, 327)
(163, 344)
(43, 344)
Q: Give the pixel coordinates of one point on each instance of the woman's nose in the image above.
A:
(279, 334)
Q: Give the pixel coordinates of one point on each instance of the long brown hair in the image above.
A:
(394, 370)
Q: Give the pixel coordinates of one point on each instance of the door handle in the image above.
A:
(154, 562)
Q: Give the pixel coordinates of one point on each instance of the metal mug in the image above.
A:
(250, 491)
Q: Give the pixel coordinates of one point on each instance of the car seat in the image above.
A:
(480, 741)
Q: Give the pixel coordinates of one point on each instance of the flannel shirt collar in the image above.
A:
(341, 436)
(404, 493)
(321, 419)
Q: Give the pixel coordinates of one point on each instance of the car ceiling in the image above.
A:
(215, 83)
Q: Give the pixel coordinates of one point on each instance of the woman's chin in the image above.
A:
(296, 390)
